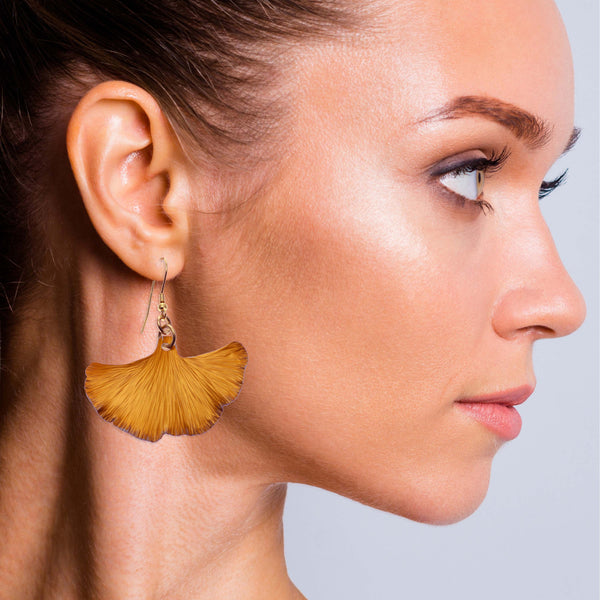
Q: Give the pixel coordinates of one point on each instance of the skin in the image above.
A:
(367, 300)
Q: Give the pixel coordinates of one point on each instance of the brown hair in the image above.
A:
(205, 61)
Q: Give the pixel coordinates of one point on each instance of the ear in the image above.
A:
(132, 176)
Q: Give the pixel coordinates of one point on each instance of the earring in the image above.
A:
(165, 392)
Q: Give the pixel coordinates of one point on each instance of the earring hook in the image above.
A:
(162, 292)
(162, 289)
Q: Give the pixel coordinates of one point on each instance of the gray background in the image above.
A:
(536, 534)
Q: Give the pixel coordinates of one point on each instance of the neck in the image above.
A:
(87, 510)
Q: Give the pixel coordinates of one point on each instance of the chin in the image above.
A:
(440, 499)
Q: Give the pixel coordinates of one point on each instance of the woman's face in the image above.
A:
(368, 297)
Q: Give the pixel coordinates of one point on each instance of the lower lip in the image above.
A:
(503, 420)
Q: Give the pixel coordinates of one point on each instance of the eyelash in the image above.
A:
(491, 165)
(548, 186)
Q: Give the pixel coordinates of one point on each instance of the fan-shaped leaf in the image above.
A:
(165, 392)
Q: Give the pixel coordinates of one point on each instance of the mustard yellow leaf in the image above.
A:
(165, 392)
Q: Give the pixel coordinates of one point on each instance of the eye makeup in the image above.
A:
(489, 165)
(480, 167)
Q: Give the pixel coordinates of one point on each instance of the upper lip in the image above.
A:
(510, 397)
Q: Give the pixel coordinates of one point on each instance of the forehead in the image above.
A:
(415, 56)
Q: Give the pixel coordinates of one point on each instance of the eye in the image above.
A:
(466, 180)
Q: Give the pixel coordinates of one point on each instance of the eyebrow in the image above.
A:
(535, 132)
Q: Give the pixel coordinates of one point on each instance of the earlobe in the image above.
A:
(128, 165)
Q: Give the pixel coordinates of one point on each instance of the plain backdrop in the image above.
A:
(536, 534)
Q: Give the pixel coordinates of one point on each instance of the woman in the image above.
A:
(348, 189)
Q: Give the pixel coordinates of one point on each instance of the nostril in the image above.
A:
(541, 331)
(531, 332)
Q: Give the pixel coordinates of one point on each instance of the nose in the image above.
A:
(540, 300)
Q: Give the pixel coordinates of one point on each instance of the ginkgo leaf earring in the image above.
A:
(165, 392)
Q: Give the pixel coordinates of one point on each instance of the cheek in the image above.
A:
(360, 336)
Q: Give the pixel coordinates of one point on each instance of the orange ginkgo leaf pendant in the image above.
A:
(165, 392)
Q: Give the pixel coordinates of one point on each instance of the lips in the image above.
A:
(496, 411)
(511, 397)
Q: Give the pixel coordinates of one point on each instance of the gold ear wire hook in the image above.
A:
(162, 293)
(162, 289)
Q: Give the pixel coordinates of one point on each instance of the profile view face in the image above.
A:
(396, 260)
